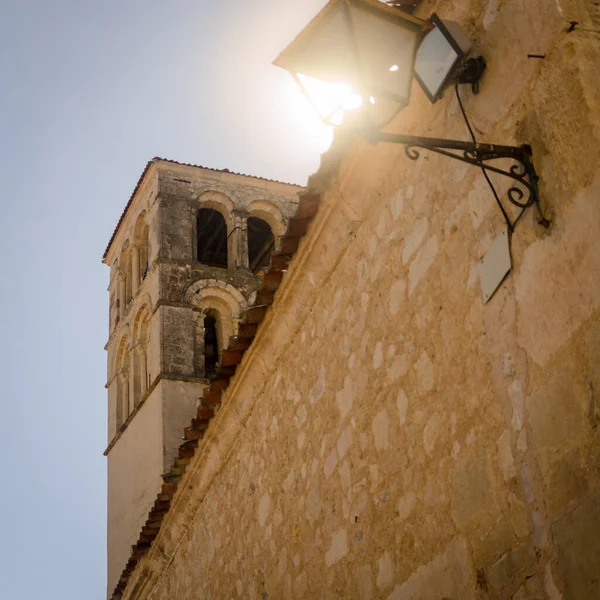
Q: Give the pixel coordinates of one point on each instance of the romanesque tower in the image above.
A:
(185, 262)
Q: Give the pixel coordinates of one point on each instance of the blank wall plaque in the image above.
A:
(494, 266)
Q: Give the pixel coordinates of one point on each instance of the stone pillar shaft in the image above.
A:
(143, 369)
(136, 269)
(121, 297)
(238, 241)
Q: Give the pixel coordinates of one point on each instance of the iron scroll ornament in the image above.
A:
(523, 194)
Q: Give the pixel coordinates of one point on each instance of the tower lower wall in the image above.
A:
(135, 466)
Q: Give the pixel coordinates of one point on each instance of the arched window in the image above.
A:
(123, 382)
(126, 275)
(211, 234)
(208, 342)
(141, 376)
(211, 345)
(111, 312)
(141, 248)
(260, 243)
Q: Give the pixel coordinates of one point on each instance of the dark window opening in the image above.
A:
(260, 243)
(211, 232)
(211, 349)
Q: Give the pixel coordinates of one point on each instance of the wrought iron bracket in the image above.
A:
(523, 193)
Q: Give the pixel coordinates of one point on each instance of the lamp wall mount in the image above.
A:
(469, 71)
(523, 193)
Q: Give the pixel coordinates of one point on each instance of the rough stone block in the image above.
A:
(510, 565)
(577, 537)
(472, 493)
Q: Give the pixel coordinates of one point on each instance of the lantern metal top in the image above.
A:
(363, 43)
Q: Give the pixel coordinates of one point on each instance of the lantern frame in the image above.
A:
(361, 83)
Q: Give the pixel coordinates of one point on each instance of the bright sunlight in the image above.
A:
(331, 99)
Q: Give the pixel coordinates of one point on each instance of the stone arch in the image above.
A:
(139, 353)
(126, 276)
(122, 377)
(218, 311)
(222, 204)
(142, 311)
(141, 248)
(218, 300)
(268, 211)
(204, 288)
(118, 355)
(139, 302)
(227, 309)
(219, 202)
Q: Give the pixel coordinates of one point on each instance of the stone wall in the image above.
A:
(389, 435)
(135, 465)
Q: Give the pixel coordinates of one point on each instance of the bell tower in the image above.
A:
(185, 261)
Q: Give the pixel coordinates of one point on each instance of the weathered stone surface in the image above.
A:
(560, 280)
(338, 548)
(577, 537)
(448, 575)
(472, 490)
(510, 565)
(532, 589)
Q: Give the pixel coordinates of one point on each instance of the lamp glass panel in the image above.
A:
(436, 57)
(386, 54)
(324, 50)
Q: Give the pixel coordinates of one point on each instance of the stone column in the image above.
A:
(136, 269)
(237, 249)
(121, 296)
(199, 344)
(124, 396)
(142, 357)
(133, 371)
(127, 378)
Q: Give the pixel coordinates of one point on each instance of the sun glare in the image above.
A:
(331, 99)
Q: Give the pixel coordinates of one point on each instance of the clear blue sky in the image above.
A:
(91, 90)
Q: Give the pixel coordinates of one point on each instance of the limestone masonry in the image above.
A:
(307, 395)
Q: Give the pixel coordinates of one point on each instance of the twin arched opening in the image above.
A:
(212, 241)
(132, 367)
(132, 269)
(141, 375)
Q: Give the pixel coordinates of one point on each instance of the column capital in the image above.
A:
(240, 211)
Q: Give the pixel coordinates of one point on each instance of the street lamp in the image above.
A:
(371, 50)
